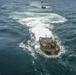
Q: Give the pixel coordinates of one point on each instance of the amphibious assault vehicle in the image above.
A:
(49, 46)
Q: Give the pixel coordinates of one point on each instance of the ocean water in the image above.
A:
(23, 22)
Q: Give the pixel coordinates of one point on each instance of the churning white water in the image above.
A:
(40, 25)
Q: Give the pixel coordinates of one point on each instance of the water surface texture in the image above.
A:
(23, 22)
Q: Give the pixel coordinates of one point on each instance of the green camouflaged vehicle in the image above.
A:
(49, 46)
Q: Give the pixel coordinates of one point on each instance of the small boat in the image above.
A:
(49, 46)
(42, 6)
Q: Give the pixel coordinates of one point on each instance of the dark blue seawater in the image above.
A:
(15, 60)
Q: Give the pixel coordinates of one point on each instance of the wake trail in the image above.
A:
(40, 25)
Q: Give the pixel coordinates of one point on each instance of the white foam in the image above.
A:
(41, 32)
(28, 47)
(39, 24)
(37, 17)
